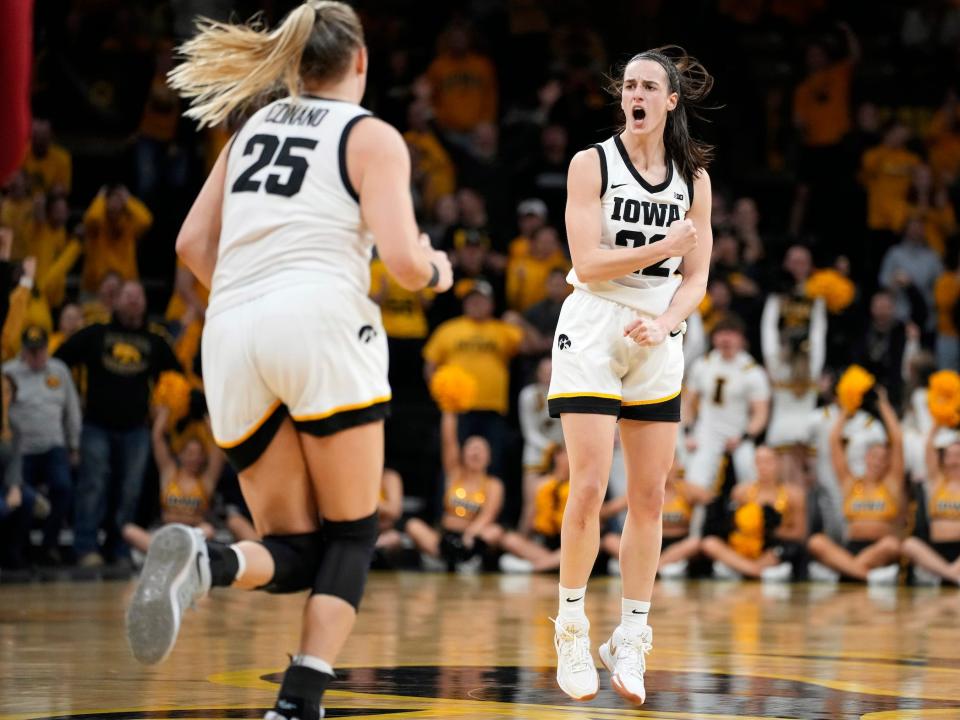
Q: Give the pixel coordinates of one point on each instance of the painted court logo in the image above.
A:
(563, 342)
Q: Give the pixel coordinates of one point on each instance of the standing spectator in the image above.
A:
(944, 138)
(464, 85)
(71, 320)
(121, 359)
(432, 170)
(821, 114)
(17, 212)
(527, 276)
(483, 346)
(909, 270)
(48, 166)
(546, 178)
(56, 251)
(99, 309)
(930, 201)
(46, 416)
(882, 349)
(887, 173)
(404, 316)
(113, 223)
(946, 292)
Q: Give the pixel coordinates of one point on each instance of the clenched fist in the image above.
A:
(681, 238)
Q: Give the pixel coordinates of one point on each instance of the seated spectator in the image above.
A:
(527, 275)
(112, 225)
(48, 166)
(472, 501)
(678, 545)
(768, 525)
(872, 507)
(187, 483)
(539, 550)
(541, 434)
(46, 416)
(939, 558)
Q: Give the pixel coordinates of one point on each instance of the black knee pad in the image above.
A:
(295, 561)
(348, 548)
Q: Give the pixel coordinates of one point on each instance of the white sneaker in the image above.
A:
(576, 673)
(624, 657)
(725, 572)
(512, 564)
(175, 575)
(922, 576)
(886, 575)
(818, 572)
(778, 573)
(271, 715)
(674, 571)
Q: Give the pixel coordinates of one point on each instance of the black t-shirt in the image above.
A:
(121, 364)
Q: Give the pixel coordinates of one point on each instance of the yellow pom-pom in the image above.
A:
(853, 385)
(837, 290)
(173, 391)
(943, 398)
(453, 388)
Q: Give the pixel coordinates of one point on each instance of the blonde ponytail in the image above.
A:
(227, 66)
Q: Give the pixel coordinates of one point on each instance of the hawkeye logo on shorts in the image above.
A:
(366, 333)
(563, 342)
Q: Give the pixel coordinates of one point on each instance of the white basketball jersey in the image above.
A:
(636, 213)
(726, 388)
(290, 214)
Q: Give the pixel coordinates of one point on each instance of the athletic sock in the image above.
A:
(633, 615)
(572, 605)
(225, 563)
(303, 686)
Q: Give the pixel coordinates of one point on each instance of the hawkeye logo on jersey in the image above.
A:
(649, 213)
(366, 333)
(563, 342)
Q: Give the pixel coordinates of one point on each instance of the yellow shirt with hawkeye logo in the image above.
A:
(402, 310)
(483, 349)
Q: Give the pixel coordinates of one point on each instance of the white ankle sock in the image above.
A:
(633, 615)
(314, 663)
(571, 604)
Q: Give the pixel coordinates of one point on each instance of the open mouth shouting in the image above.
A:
(638, 114)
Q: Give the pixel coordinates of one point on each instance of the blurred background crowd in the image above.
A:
(835, 242)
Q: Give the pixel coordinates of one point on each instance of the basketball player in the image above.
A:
(294, 354)
(638, 207)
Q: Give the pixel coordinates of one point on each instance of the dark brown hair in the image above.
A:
(689, 79)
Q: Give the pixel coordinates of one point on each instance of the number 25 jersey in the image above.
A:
(636, 213)
(290, 214)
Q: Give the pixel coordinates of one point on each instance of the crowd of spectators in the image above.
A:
(830, 155)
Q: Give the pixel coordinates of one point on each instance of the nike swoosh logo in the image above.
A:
(614, 187)
(637, 612)
(674, 333)
(575, 599)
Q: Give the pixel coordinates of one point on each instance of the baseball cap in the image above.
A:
(532, 206)
(480, 287)
(34, 338)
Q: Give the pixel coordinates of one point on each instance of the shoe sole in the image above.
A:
(618, 688)
(578, 698)
(153, 618)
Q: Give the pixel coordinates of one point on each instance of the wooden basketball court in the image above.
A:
(448, 646)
